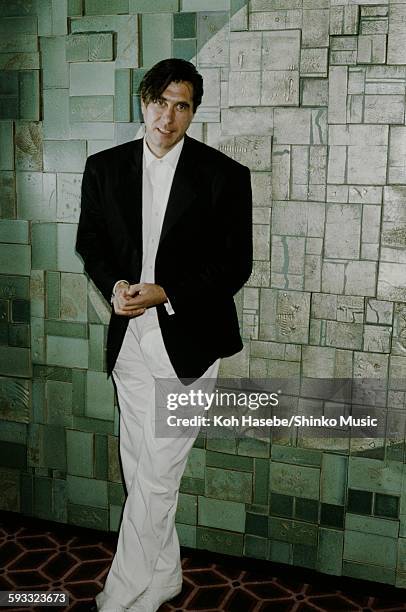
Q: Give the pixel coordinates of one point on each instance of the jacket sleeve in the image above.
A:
(92, 240)
(230, 246)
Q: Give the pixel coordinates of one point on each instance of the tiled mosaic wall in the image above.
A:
(311, 95)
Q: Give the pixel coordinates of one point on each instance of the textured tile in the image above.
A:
(91, 79)
(36, 196)
(158, 44)
(106, 7)
(153, 6)
(6, 145)
(64, 155)
(184, 25)
(100, 396)
(69, 352)
(89, 492)
(221, 514)
(55, 69)
(28, 141)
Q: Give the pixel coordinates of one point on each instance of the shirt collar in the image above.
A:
(171, 157)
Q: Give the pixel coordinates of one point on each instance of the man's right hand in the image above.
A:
(123, 301)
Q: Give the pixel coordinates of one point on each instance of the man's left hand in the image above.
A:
(146, 295)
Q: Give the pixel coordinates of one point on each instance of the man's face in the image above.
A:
(168, 117)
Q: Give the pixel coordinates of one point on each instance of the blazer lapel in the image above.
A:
(130, 195)
(183, 190)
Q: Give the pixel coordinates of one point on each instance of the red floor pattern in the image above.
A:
(43, 556)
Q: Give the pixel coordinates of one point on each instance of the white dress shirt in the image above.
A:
(157, 178)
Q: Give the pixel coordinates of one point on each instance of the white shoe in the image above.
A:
(153, 598)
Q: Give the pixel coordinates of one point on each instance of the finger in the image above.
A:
(134, 289)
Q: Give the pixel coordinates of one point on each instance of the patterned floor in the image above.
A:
(38, 555)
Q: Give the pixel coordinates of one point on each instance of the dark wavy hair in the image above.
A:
(157, 79)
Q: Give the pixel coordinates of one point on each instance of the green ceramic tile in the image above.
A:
(294, 532)
(13, 455)
(85, 516)
(184, 49)
(15, 259)
(64, 155)
(37, 340)
(156, 38)
(21, 43)
(333, 478)
(184, 25)
(280, 552)
(368, 524)
(153, 6)
(375, 475)
(114, 466)
(209, 24)
(100, 396)
(88, 491)
(75, 8)
(96, 347)
(229, 484)
(77, 48)
(252, 447)
(79, 448)
(67, 352)
(91, 108)
(307, 509)
(115, 513)
(54, 449)
(74, 297)
(221, 514)
(93, 425)
(187, 535)
(261, 481)
(28, 140)
(4, 310)
(29, 95)
(68, 260)
(13, 231)
(122, 100)
(222, 445)
(38, 401)
(332, 516)
(18, 25)
(13, 432)
(359, 502)
(298, 456)
(92, 80)
(52, 17)
(7, 195)
(370, 548)
(27, 494)
(401, 555)
(19, 61)
(101, 47)
(79, 378)
(53, 373)
(305, 556)
(205, 5)
(56, 114)
(53, 282)
(55, 69)
(14, 287)
(59, 402)
(44, 251)
(43, 497)
(330, 551)
(37, 293)
(34, 444)
(59, 505)
(231, 462)
(136, 109)
(106, 7)
(36, 196)
(194, 486)
(187, 509)
(369, 572)
(285, 478)
(137, 76)
(256, 524)
(195, 466)
(101, 457)
(6, 145)
(9, 108)
(19, 335)
(15, 361)
(255, 547)
(116, 493)
(20, 311)
(281, 505)
(223, 542)
(386, 506)
(15, 400)
(4, 332)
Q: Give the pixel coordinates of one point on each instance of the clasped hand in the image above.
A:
(133, 300)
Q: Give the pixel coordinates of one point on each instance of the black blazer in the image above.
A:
(204, 255)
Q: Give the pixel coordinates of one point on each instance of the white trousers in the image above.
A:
(148, 554)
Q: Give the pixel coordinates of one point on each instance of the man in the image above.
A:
(165, 233)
